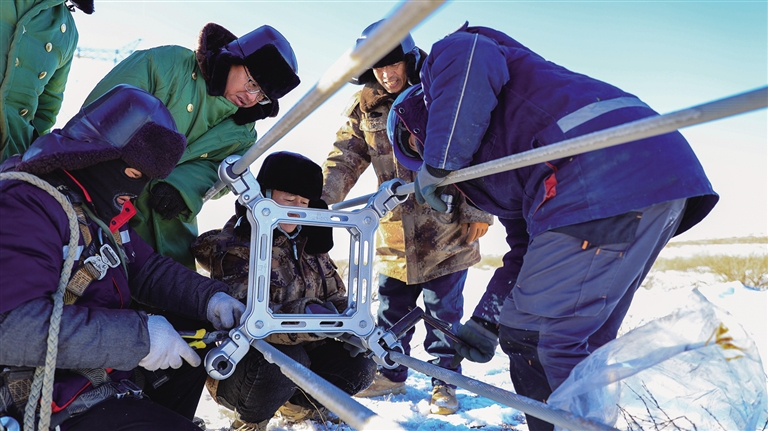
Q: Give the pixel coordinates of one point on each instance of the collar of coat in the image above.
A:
(373, 95)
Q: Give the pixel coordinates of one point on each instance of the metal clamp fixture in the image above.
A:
(385, 199)
(264, 214)
(220, 361)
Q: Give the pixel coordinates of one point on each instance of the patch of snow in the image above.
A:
(661, 293)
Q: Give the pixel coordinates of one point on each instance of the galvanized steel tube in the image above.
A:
(338, 401)
(535, 408)
(633, 131)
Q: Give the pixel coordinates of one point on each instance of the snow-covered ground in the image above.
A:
(668, 291)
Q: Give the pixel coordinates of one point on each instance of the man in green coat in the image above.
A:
(37, 43)
(215, 95)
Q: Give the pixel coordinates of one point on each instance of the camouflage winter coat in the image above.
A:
(414, 244)
(295, 283)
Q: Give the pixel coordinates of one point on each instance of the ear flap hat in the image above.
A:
(296, 174)
(266, 53)
(408, 105)
(407, 51)
(125, 123)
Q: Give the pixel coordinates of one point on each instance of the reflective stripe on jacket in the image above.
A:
(488, 97)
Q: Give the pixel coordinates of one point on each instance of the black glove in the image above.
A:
(324, 308)
(166, 200)
(481, 338)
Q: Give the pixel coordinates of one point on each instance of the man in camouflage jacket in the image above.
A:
(303, 280)
(418, 249)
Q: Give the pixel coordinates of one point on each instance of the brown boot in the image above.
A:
(444, 400)
(381, 386)
(239, 425)
(295, 413)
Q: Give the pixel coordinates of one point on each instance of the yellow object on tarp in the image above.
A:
(695, 368)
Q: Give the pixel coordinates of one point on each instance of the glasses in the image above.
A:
(253, 88)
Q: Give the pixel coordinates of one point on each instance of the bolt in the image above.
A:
(259, 324)
(265, 212)
(367, 220)
(363, 324)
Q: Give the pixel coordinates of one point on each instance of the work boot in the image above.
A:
(444, 400)
(381, 386)
(239, 425)
(295, 413)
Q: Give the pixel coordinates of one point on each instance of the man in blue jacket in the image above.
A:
(583, 231)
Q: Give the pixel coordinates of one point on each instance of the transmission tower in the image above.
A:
(106, 54)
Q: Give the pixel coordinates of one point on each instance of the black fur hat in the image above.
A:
(292, 173)
(124, 123)
(268, 56)
(84, 5)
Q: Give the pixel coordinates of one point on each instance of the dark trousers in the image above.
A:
(443, 299)
(129, 414)
(568, 301)
(258, 388)
(178, 390)
(170, 402)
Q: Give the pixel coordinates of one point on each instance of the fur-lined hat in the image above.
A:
(125, 123)
(407, 51)
(292, 173)
(296, 174)
(268, 56)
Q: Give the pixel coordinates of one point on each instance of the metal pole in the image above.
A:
(542, 411)
(338, 401)
(633, 131)
(352, 63)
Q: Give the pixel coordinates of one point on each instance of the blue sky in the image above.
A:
(672, 54)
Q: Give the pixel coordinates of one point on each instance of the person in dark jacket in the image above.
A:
(99, 161)
(583, 231)
(303, 280)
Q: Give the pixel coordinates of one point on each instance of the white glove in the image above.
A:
(224, 311)
(166, 347)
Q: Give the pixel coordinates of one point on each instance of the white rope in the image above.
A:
(43, 379)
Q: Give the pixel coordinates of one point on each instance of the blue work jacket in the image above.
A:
(488, 96)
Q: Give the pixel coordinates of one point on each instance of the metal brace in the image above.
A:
(259, 321)
(385, 199)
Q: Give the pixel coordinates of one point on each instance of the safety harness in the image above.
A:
(17, 384)
(95, 260)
